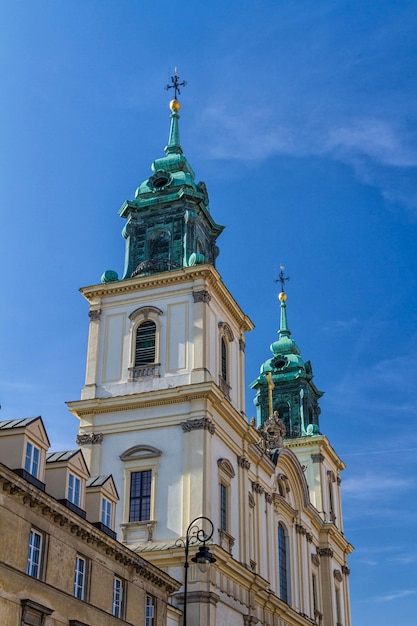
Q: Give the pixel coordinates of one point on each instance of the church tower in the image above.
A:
(163, 411)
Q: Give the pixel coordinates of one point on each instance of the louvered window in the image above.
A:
(145, 344)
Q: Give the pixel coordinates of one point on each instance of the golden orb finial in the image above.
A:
(282, 296)
(175, 105)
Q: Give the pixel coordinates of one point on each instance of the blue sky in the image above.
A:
(301, 118)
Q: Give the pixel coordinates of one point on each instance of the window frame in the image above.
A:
(106, 512)
(138, 318)
(119, 604)
(284, 566)
(143, 500)
(83, 586)
(150, 603)
(224, 506)
(150, 337)
(136, 459)
(74, 491)
(31, 563)
(30, 461)
(226, 339)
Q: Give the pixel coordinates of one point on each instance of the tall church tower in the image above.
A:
(163, 411)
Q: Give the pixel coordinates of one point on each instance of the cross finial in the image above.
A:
(175, 80)
(281, 278)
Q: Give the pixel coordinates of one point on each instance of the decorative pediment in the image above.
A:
(226, 330)
(145, 312)
(227, 467)
(140, 452)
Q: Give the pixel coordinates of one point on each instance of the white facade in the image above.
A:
(181, 423)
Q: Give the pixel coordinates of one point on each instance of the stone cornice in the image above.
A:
(200, 277)
(329, 533)
(60, 515)
(319, 444)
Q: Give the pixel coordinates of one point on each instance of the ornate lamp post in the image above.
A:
(196, 534)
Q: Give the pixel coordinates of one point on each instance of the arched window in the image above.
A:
(283, 563)
(145, 343)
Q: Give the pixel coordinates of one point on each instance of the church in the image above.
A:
(240, 521)
(163, 412)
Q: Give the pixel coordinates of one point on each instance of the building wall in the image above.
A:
(23, 507)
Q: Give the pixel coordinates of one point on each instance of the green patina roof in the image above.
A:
(169, 224)
(294, 394)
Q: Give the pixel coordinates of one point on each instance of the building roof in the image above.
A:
(98, 481)
(55, 457)
(18, 423)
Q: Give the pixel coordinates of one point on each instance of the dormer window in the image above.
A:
(32, 459)
(106, 512)
(74, 489)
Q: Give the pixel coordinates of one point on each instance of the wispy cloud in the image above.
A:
(395, 595)
(371, 486)
(341, 326)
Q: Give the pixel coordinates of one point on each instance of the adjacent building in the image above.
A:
(60, 562)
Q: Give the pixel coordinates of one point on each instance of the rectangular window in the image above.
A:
(338, 608)
(140, 496)
(223, 507)
(80, 578)
(74, 489)
(150, 611)
(118, 597)
(32, 459)
(106, 512)
(34, 563)
(314, 581)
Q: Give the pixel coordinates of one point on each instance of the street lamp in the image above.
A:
(196, 534)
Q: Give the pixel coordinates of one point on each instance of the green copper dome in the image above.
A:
(285, 385)
(169, 225)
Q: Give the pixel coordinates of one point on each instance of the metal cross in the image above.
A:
(281, 278)
(176, 84)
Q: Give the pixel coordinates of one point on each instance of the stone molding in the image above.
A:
(204, 423)
(257, 487)
(325, 552)
(94, 315)
(227, 467)
(317, 458)
(226, 540)
(301, 530)
(250, 620)
(140, 452)
(92, 438)
(242, 461)
(201, 296)
(199, 597)
(145, 311)
(226, 330)
(60, 515)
